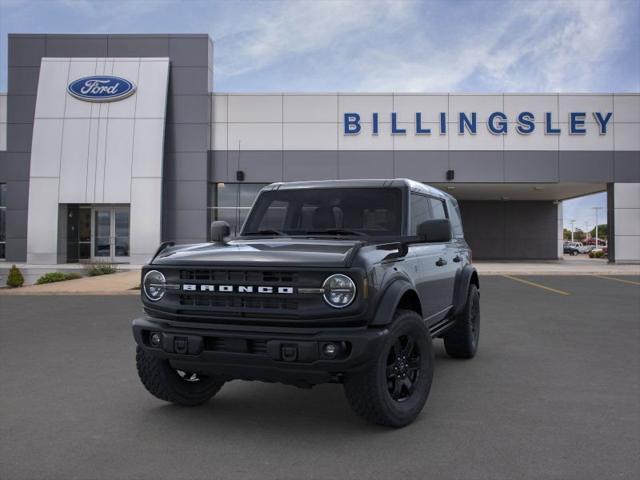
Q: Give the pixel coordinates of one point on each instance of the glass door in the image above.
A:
(120, 237)
(111, 234)
(78, 232)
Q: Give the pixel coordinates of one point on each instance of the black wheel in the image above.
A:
(574, 252)
(462, 340)
(172, 385)
(394, 389)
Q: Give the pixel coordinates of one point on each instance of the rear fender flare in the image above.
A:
(465, 278)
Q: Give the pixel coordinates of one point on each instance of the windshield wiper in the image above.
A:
(266, 232)
(336, 231)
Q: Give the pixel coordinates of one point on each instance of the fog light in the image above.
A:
(156, 339)
(330, 350)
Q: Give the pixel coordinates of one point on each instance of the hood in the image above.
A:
(290, 252)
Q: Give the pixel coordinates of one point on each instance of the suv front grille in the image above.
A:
(211, 304)
(248, 277)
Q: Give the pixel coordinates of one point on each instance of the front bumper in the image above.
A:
(285, 355)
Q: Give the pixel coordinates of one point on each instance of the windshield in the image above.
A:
(331, 211)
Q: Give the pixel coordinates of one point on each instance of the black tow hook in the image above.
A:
(180, 345)
(289, 352)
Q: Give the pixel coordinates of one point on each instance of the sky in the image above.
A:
(377, 45)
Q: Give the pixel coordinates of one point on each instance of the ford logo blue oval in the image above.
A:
(101, 88)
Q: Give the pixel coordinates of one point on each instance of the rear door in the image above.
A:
(450, 255)
(433, 265)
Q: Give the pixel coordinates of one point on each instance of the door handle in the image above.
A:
(457, 258)
(441, 262)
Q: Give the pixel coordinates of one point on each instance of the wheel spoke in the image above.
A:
(397, 348)
(403, 367)
(413, 364)
(397, 387)
(408, 348)
(408, 384)
(391, 372)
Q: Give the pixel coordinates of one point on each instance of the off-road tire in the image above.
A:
(165, 383)
(462, 340)
(368, 392)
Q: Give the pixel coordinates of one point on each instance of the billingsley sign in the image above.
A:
(101, 88)
(497, 123)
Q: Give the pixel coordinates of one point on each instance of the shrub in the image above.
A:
(15, 278)
(52, 277)
(100, 269)
(596, 254)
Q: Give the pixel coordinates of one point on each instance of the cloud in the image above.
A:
(274, 34)
(376, 45)
(410, 46)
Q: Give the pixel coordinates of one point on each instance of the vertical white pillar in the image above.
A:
(626, 222)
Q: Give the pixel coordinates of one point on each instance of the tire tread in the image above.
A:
(153, 375)
(457, 341)
(363, 393)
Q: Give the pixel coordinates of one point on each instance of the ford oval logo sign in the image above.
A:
(101, 88)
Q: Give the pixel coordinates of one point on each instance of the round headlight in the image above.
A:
(339, 290)
(154, 285)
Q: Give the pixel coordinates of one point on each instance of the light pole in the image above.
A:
(586, 231)
(596, 210)
(572, 222)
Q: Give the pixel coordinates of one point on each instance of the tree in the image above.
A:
(578, 235)
(566, 234)
(603, 231)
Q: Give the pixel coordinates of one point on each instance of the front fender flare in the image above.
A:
(389, 301)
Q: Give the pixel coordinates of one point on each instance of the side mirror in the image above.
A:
(219, 231)
(435, 230)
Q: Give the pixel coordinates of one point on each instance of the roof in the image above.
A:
(359, 183)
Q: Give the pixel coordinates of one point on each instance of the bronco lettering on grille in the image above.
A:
(192, 287)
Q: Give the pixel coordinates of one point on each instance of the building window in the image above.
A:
(231, 202)
(3, 216)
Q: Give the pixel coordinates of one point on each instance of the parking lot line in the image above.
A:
(631, 282)
(534, 284)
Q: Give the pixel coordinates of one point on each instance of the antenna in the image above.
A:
(238, 185)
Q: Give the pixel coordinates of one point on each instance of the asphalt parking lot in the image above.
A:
(553, 393)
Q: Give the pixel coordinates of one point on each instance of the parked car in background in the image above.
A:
(577, 247)
(592, 241)
(568, 249)
(599, 252)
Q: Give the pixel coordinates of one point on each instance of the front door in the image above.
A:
(111, 234)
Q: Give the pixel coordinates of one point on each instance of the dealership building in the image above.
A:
(110, 144)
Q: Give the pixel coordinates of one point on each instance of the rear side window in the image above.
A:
(425, 208)
(438, 211)
(455, 219)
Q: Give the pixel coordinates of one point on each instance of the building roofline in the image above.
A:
(434, 94)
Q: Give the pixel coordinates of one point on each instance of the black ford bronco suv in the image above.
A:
(343, 281)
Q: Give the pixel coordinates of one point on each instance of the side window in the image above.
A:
(437, 209)
(454, 217)
(419, 212)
